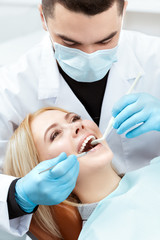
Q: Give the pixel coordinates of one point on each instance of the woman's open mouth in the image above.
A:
(86, 145)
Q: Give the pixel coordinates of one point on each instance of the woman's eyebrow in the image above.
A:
(50, 127)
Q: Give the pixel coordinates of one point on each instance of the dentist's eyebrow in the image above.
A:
(66, 117)
(65, 38)
(108, 38)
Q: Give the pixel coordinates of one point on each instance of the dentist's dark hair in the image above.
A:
(88, 7)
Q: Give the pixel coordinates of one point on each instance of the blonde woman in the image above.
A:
(113, 207)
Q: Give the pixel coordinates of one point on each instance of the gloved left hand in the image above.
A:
(50, 187)
(134, 109)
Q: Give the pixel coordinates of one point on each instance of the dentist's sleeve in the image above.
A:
(10, 229)
(15, 228)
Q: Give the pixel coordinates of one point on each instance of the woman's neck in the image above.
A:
(98, 185)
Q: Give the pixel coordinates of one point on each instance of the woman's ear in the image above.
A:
(42, 17)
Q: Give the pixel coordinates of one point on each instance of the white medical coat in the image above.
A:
(35, 82)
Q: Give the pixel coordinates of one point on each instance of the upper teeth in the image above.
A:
(85, 142)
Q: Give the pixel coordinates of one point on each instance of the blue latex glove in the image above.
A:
(132, 109)
(50, 187)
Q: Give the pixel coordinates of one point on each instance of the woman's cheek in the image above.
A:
(58, 148)
(92, 126)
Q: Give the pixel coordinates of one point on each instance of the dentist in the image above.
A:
(85, 64)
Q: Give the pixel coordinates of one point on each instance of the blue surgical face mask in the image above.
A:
(84, 67)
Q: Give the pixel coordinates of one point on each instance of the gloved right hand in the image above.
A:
(136, 113)
(50, 187)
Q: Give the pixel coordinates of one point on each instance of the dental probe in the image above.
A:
(110, 124)
(78, 156)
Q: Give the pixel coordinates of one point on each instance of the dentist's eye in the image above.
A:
(106, 42)
(54, 135)
(68, 43)
(75, 118)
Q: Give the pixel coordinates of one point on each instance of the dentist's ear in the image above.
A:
(42, 17)
(125, 7)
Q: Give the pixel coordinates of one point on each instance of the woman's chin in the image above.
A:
(99, 156)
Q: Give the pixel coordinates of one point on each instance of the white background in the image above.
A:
(20, 28)
(144, 16)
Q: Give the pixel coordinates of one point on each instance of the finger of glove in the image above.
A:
(67, 183)
(123, 103)
(126, 113)
(63, 167)
(52, 162)
(144, 128)
(132, 122)
(71, 176)
(62, 195)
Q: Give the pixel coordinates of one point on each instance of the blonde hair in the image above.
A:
(21, 158)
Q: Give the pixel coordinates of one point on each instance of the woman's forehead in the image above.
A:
(47, 117)
(56, 114)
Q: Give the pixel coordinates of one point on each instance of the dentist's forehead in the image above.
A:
(105, 23)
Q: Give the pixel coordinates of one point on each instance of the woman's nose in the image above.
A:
(77, 128)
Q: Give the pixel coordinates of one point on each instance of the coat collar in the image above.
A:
(49, 76)
(127, 66)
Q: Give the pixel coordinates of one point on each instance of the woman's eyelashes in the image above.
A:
(57, 132)
(54, 135)
(75, 118)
